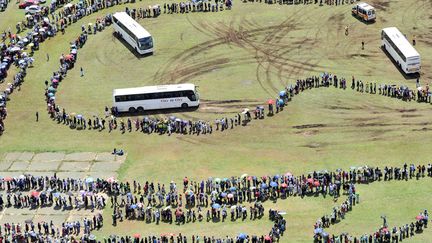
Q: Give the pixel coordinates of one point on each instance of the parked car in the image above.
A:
(33, 9)
(28, 3)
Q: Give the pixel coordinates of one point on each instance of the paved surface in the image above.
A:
(77, 165)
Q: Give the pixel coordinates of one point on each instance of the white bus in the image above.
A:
(155, 97)
(133, 33)
(403, 53)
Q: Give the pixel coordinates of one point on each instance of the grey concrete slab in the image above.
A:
(44, 166)
(105, 157)
(4, 165)
(26, 156)
(53, 211)
(40, 173)
(78, 157)
(11, 173)
(19, 166)
(12, 156)
(105, 166)
(75, 166)
(15, 218)
(48, 157)
(72, 174)
(21, 211)
(102, 174)
(121, 159)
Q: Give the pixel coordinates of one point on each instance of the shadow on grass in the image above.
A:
(406, 76)
(157, 112)
(136, 54)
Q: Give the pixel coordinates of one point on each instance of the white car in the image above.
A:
(42, 1)
(33, 9)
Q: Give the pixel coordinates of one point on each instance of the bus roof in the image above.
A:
(132, 25)
(154, 89)
(401, 42)
(365, 6)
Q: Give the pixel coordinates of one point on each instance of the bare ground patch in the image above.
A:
(309, 126)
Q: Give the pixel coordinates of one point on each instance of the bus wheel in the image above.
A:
(132, 110)
(140, 109)
(184, 106)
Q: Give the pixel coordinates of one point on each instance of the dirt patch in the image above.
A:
(315, 145)
(363, 119)
(379, 5)
(308, 133)
(406, 110)
(335, 107)
(422, 129)
(221, 101)
(374, 125)
(337, 17)
(410, 115)
(360, 55)
(309, 126)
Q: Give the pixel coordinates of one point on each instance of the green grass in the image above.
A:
(254, 50)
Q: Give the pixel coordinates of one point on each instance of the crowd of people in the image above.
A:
(321, 2)
(213, 199)
(169, 125)
(40, 192)
(3, 5)
(45, 231)
(17, 50)
(56, 17)
(383, 234)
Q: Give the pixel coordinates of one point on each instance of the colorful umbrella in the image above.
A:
(270, 102)
(111, 180)
(216, 206)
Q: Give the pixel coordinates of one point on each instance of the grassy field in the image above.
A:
(245, 56)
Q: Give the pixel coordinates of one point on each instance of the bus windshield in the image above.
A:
(146, 43)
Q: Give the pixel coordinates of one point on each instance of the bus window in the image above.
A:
(146, 43)
(191, 95)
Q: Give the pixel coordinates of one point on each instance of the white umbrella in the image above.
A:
(15, 48)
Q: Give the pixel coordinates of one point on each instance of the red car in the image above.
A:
(27, 3)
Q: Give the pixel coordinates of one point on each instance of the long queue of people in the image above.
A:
(216, 196)
(44, 231)
(56, 17)
(17, 50)
(274, 235)
(382, 235)
(321, 2)
(172, 124)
